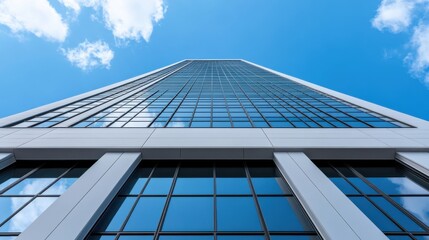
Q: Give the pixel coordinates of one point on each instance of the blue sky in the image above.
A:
(374, 50)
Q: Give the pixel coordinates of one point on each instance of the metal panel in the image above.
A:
(6, 159)
(416, 160)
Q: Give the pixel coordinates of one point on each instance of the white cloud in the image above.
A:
(402, 15)
(76, 5)
(89, 55)
(133, 19)
(394, 15)
(127, 19)
(35, 16)
(419, 59)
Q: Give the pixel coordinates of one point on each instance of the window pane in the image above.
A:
(343, 185)
(189, 214)
(9, 205)
(283, 214)
(197, 179)
(361, 185)
(158, 186)
(237, 214)
(102, 238)
(240, 237)
(266, 179)
(135, 237)
(146, 214)
(27, 215)
(399, 238)
(231, 179)
(160, 183)
(394, 213)
(12, 174)
(374, 214)
(194, 186)
(418, 206)
(232, 186)
(65, 182)
(37, 181)
(270, 186)
(115, 215)
(294, 237)
(398, 185)
(137, 181)
(186, 238)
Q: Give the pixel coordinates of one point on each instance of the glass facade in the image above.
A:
(223, 200)
(215, 94)
(394, 197)
(27, 189)
(61, 114)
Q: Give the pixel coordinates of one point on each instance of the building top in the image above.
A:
(207, 94)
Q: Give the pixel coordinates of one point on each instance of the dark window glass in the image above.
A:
(160, 183)
(266, 179)
(146, 214)
(186, 238)
(137, 181)
(237, 214)
(117, 213)
(418, 206)
(196, 179)
(27, 189)
(204, 199)
(393, 196)
(283, 214)
(189, 214)
(218, 94)
(231, 180)
(240, 237)
(294, 237)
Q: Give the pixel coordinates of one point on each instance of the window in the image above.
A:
(27, 189)
(205, 200)
(394, 197)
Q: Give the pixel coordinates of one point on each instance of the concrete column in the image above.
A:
(416, 160)
(6, 159)
(77, 210)
(334, 215)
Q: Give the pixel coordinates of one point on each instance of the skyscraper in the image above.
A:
(214, 149)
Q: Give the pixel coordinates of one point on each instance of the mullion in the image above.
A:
(33, 197)
(121, 229)
(35, 169)
(363, 194)
(192, 80)
(255, 199)
(137, 104)
(168, 104)
(198, 99)
(214, 202)
(241, 104)
(167, 203)
(273, 85)
(235, 93)
(390, 200)
(121, 92)
(252, 86)
(56, 180)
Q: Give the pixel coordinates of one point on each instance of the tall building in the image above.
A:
(214, 150)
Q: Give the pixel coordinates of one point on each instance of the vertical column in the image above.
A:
(416, 160)
(73, 214)
(6, 159)
(333, 214)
